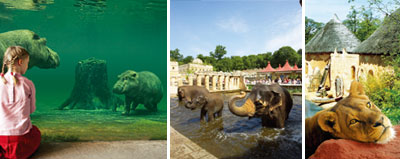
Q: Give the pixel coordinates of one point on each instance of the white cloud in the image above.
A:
(292, 36)
(233, 24)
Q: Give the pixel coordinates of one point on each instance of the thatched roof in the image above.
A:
(386, 39)
(333, 35)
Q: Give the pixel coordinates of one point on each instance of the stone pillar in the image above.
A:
(214, 82)
(207, 82)
(180, 81)
(227, 83)
(190, 80)
(236, 83)
(173, 81)
(231, 86)
(221, 82)
(198, 80)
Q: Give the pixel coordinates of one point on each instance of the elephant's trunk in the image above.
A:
(247, 109)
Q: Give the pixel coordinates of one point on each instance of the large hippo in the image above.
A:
(40, 55)
(270, 102)
(139, 88)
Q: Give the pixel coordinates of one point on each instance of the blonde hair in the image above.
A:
(12, 54)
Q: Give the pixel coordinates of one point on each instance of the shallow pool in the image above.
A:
(238, 137)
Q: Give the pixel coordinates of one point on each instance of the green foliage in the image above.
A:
(367, 25)
(385, 93)
(218, 53)
(174, 55)
(285, 53)
(227, 64)
(311, 28)
(187, 59)
(361, 21)
(352, 20)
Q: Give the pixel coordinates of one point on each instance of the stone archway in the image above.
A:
(371, 73)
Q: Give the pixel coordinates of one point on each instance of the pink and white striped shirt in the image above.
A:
(17, 102)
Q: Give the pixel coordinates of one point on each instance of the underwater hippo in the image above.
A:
(210, 104)
(40, 55)
(139, 88)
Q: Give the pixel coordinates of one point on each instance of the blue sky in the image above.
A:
(244, 26)
(323, 10)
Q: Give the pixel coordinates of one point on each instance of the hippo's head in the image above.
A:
(40, 55)
(126, 81)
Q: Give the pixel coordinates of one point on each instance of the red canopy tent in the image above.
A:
(268, 68)
(286, 67)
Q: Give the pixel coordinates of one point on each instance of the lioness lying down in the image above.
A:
(354, 117)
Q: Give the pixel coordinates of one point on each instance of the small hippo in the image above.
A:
(210, 104)
(139, 88)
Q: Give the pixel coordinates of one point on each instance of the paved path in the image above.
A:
(103, 149)
(183, 148)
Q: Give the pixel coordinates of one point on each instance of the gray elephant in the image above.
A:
(40, 55)
(187, 93)
(139, 88)
(270, 102)
(210, 104)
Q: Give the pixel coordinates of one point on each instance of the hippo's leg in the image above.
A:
(128, 103)
(152, 107)
(134, 105)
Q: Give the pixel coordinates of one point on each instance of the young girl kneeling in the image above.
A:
(18, 137)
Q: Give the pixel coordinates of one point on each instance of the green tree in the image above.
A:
(311, 28)
(368, 24)
(225, 65)
(238, 63)
(218, 53)
(352, 20)
(285, 53)
(187, 59)
(174, 55)
(361, 22)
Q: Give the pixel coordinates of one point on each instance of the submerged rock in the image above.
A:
(337, 149)
(91, 89)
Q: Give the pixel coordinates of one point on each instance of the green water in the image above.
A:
(127, 34)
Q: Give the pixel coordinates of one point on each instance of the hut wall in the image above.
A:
(344, 66)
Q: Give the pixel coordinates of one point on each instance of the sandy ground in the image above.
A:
(103, 149)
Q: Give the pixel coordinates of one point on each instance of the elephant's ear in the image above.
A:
(276, 95)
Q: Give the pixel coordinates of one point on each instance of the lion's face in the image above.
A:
(357, 118)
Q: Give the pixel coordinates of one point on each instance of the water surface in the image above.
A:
(237, 137)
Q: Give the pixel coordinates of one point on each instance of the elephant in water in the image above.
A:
(270, 102)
